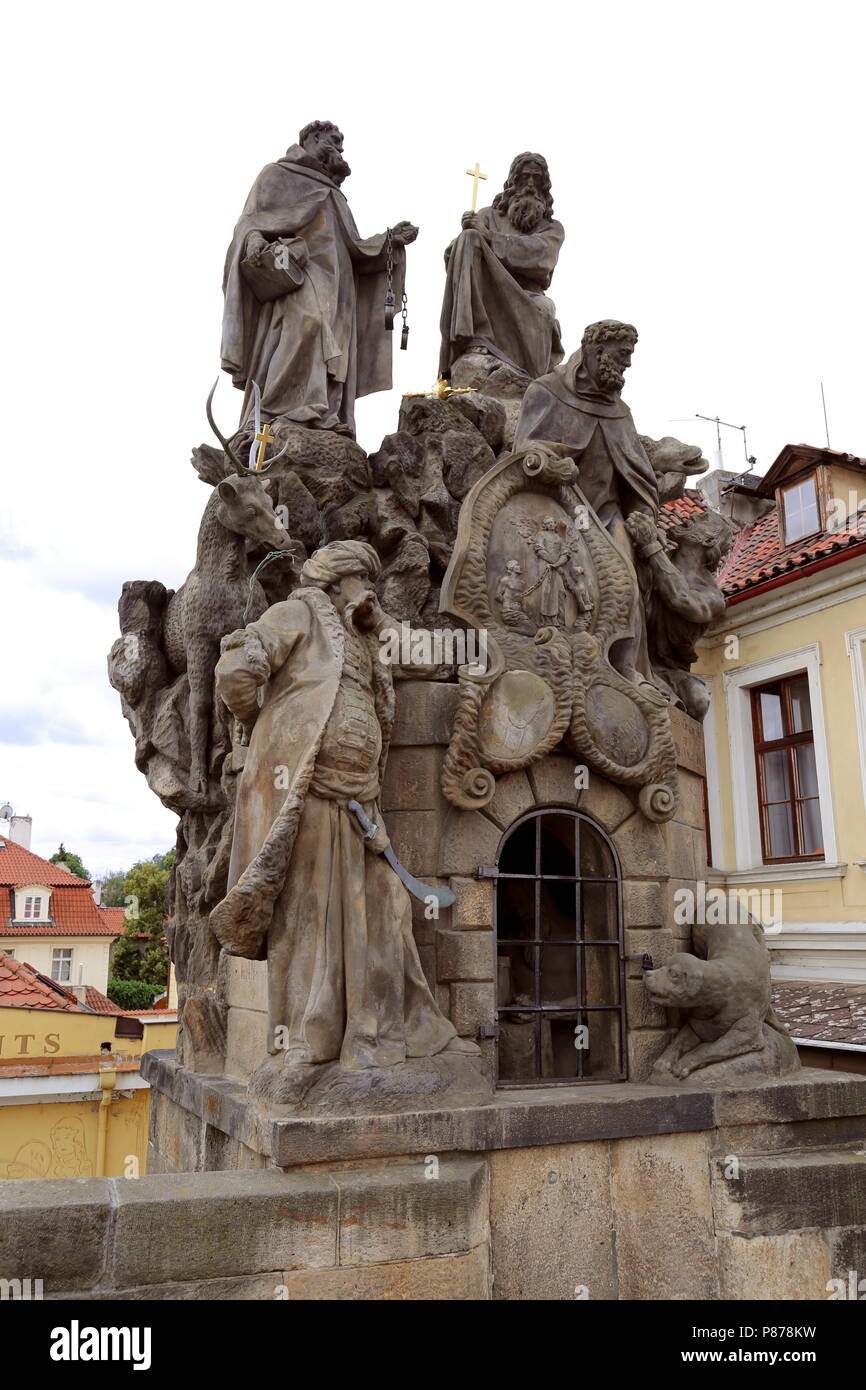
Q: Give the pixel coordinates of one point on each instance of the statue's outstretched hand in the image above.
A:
(404, 233)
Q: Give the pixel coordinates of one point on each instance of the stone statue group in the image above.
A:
(260, 709)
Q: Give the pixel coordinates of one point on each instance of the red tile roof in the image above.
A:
(72, 907)
(18, 867)
(830, 1013)
(116, 917)
(73, 913)
(99, 1003)
(22, 987)
(758, 556)
(681, 508)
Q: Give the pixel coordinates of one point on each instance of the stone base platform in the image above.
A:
(449, 1079)
(608, 1192)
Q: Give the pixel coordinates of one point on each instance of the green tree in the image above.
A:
(132, 994)
(71, 862)
(113, 889)
(140, 953)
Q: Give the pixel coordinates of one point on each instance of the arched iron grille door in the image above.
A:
(560, 952)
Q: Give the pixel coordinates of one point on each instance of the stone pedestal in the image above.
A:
(444, 845)
(578, 1189)
(590, 1192)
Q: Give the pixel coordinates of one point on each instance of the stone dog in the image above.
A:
(724, 990)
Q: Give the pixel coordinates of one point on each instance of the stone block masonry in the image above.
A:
(408, 1231)
(444, 845)
(600, 1193)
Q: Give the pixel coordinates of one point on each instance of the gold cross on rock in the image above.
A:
(441, 391)
(265, 436)
(475, 174)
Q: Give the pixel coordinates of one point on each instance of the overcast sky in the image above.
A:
(707, 164)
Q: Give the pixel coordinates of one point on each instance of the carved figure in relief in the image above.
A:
(509, 594)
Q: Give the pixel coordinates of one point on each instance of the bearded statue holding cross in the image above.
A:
(498, 269)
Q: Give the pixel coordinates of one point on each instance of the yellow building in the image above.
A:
(72, 1102)
(786, 730)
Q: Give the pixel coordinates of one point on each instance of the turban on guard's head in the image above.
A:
(338, 560)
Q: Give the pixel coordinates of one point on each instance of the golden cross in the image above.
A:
(265, 436)
(475, 174)
(441, 391)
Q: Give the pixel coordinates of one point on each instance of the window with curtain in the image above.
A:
(786, 769)
(61, 964)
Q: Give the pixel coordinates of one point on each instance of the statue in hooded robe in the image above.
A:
(497, 270)
(306, 889)
(305, 294)
(579, 405)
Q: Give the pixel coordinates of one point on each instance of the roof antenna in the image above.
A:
(824, 407)
(714, 420)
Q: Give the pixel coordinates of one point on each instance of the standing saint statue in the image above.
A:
(306, 888)
(580, 405)
(553, 553)
(305, 294)
(497, 271)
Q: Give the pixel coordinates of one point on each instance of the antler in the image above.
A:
(227, 448)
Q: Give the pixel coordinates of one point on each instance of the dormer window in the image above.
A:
(800, 509)
(32, 903)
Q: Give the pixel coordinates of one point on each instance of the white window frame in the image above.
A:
(714, 798)
(792, 487)
(855, 643)
(744, 777)
(36, 914)
(35, 892)
(62, 952)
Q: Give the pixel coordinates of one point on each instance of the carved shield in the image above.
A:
(534, 568)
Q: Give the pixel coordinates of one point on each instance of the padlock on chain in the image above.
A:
(390, 300)
(404, 336)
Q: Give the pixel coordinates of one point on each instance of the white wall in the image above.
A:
(90, 956)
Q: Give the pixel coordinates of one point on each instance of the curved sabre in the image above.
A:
(227, 448)
(422, 891)
(257, 417)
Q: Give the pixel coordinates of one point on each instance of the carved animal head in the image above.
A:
(673, 463)
(677, 984)
(246, 507)
(141, 605)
